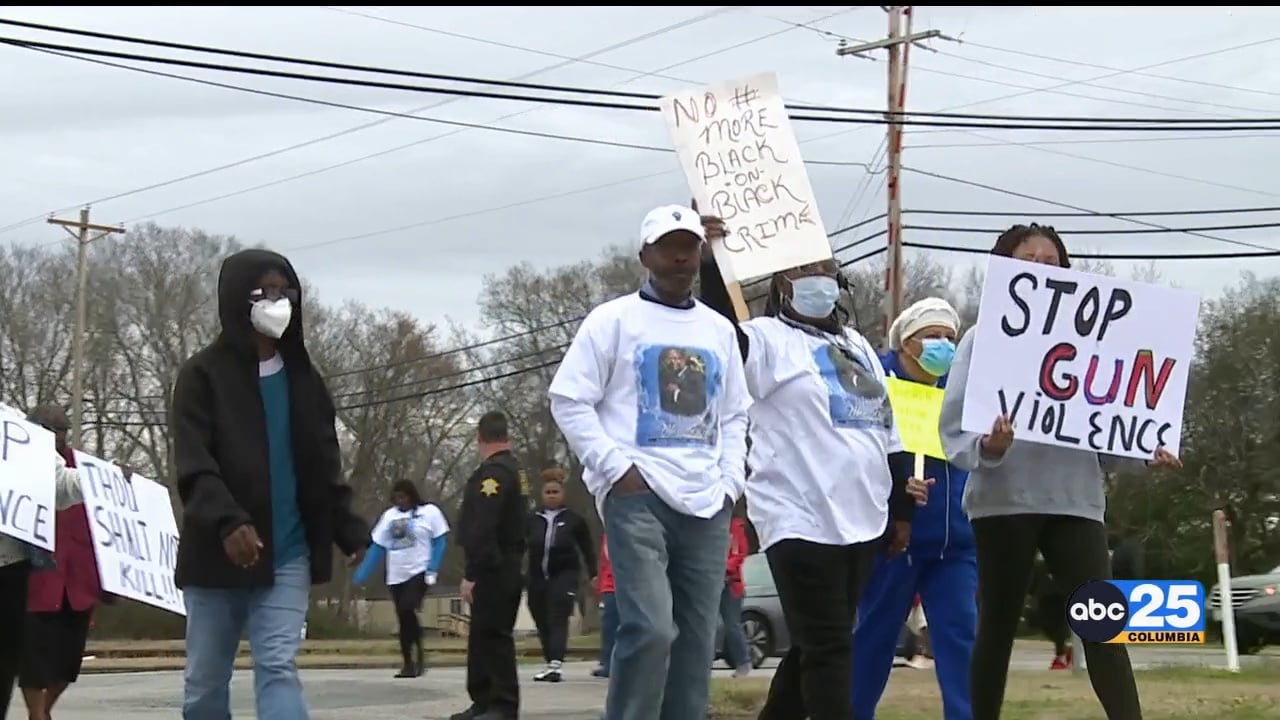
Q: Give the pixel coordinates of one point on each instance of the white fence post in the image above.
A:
(1078, 664)
(1224, 590)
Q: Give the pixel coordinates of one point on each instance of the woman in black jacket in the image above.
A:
(556, 536)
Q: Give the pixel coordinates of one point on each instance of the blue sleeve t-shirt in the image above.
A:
(288, 536)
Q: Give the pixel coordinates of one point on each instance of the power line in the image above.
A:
(531, 332)
(1127, 231)
(1096, 66)
(1093, 141)
(876, 117)
(565, 60)
(1152, 213)
(1077, 208)
(1113, 256)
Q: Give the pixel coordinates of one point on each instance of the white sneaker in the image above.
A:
(742, 670)
(550, 674)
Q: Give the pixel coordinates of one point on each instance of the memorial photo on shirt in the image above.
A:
(401, 532)
(676, 394)
(856, 397)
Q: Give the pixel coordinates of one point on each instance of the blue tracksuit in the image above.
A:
(941, 566)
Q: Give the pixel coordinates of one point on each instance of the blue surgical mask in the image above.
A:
(936, 356)
(814, 296)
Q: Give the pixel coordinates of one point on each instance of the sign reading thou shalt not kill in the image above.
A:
(737, 149)
(1080, 360)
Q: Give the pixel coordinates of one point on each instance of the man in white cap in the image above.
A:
(940, 562)
(652, 398)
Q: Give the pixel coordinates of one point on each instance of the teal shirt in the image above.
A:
(288, 535)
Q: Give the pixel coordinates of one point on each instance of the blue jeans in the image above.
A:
(947, 588)
(608, 630)
(274, 615)
(736, 652)
(668, 570)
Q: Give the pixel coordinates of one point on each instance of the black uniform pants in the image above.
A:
(819, 587)
(551, 605)
(407, 597)
(1075, 552)
(13, 611)
(491, 648)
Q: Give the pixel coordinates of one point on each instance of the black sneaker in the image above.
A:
(468, 714)
(600, 672)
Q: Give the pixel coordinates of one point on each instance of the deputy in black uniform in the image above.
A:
(491, 528)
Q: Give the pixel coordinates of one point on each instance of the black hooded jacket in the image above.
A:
(219, 434)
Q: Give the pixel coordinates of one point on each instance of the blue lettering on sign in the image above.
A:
(1165, 612)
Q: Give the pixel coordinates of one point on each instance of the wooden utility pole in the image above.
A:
(898, 43)
(80, 229)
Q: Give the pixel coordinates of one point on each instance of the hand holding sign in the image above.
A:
(715, 229)
(1165, 459)
(996, 444)
(919, 490)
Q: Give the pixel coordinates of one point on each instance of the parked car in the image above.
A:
(1255, 600)
(762, 621)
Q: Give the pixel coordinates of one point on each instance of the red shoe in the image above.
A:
(1061, 662)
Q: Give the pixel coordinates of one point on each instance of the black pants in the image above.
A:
(1075, 551)
(13, 611)
(551, 605)
(819, 587)
(491, 648)
(407, 597)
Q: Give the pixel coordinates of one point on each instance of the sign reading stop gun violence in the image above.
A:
(1081, 360)
(743, 163)
(28, 483)
(135, 535)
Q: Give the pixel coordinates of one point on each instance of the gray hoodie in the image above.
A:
(1031, 477)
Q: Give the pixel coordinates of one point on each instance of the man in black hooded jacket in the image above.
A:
(259, 474)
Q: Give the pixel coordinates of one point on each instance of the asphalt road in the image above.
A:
(345, 694)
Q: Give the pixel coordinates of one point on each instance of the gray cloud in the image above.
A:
(79, 132)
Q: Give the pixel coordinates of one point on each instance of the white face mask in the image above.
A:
(271, 317)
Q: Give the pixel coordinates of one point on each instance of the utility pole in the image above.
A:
(80, 229)
(898, 43)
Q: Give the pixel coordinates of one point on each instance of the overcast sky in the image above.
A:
(75, 132)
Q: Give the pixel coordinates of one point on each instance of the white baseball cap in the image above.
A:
(668, 219)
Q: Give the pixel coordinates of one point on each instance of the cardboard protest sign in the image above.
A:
(743, 163)
(1081, 360)
(916, 411)
(28, 489)
(135, 535)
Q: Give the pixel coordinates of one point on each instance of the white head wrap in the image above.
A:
(926, 313)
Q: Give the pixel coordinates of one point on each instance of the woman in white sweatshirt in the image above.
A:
(16, 560)
(820, 486)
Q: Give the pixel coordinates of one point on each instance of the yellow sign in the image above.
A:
(916, 409)
(488, 487)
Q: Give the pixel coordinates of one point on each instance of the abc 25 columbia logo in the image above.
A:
(1138, 612)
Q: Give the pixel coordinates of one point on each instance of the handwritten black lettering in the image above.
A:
(15, 436)
(123, 534)
(1090, 318)
(1009, 329)
(22, 513)
(747, 179)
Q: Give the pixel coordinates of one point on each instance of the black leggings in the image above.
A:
(407, 597)
(1075, 551)
(13, 610)
(551, 605)
(818, 587)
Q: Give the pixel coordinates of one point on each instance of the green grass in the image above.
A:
(1167, 694)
